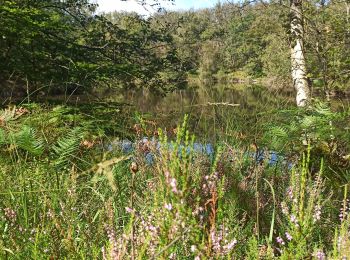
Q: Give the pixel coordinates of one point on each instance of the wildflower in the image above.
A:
(290, 192)
(129, 210)
(341, 216)
(294, 220)
(319, 255)
(284, 207)
(230, 245)
(193, 248)
(280, 240)
(167, 174)
(113, 243)
(168, 206)
(288, 236)
(173, 183)
(10, 215)
(152, 228)
(104, 254)
(317, 213)
(197, 258)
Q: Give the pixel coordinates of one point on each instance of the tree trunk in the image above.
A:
(300, 82)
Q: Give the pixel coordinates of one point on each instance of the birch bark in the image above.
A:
(298, 69)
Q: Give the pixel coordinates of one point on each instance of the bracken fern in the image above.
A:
(67, 146)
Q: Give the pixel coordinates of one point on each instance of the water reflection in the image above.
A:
(213, 111)
(185, 100)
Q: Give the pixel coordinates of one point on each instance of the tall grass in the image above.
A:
(90, 203)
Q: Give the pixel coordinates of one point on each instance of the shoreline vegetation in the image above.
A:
(64, 195)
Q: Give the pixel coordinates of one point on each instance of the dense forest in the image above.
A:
(58, 45)
(217, 133)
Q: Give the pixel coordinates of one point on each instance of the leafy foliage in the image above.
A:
(67, 147)
(55, 46)
(28, 140)
(25, 138)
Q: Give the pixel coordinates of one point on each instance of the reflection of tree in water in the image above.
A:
(211, 110)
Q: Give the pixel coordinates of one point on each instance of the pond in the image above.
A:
(213, 111)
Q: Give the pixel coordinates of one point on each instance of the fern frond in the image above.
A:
(293, 127)
(278, 131)
(323, 109)
(309, 121)
(67, 147)
(28, 140)
(8, 114)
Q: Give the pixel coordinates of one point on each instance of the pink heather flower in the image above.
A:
(129, 210)
(288, 236)
(317, 213)
(294, 220)
(173, 185)
(167, 174)
(113, 242)
(104, 254)
(230, 245)
(284, 207)
(168, 206)
(173, 182)
(10, 215)
(319, 255)
(280, 241)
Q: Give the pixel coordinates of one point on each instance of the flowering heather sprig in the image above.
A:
(172, 182)
(216, 238)
(148, 229)
(210, 182)
(113, 242)
(280, 241)
(288, 236)
(104, 254)
(319, 254)
(221, 245)
(317, 213)
(168, 206)
(129, 210)
(294, 220)
(173, 185)
(284, 208)
(230, 245)
(10, 215)
(344, 211)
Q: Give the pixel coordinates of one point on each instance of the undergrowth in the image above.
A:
(65, 195)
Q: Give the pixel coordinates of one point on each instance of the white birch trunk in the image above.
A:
(300, 82)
